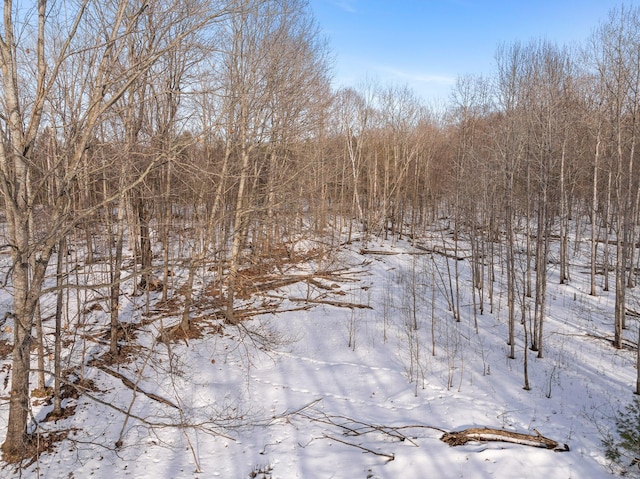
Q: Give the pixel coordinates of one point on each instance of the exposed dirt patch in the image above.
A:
(124, 332)
(177, 333)
(6, 348)
(36, 444)
(66, 412)
(125, 352)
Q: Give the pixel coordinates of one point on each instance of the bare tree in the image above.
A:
(256, 90)
(98, 33)
(617, 65)
(509, 148)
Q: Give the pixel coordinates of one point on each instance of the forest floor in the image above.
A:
(345, 365)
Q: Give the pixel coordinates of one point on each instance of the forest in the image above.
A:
(161, 159)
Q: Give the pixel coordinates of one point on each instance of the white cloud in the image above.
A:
(346, 5)
(411, 76)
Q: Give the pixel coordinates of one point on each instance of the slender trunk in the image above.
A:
(57, 366)
(632, 240)
(37, 312)
(564, 262)
(40, 345)
(354, 160)
(145, 244)
(456, 234)
(510, 276)
(637, 391)
(236, 242)
(116, 268)
(525, 359)
(607, 228)
(528, 233)
(166, 228)
(621, 248)
(619, 311)
(630, 204)
(594, 209)
(185, 323)
(543, 296)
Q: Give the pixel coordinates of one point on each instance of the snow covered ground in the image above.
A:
(343, 385)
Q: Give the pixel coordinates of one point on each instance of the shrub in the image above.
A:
(623, 448)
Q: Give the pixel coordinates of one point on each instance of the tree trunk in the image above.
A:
(57, 352)
(236, 242)
(116, 268)
(594, 221)
(16, 438)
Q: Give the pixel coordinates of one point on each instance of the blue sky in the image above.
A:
(426, 44)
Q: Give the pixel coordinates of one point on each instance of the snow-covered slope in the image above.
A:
(334, 380)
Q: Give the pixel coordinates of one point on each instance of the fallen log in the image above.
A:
(485, 434)
(380, 252)
(391, 253)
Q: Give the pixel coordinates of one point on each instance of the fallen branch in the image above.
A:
(339, 304)
(207, 427)
(626, 343)
(299, 411)
(484, 434)
(392, 253)
(319, 285)
(246, 313)
(443, 252)
(130, 384)
(388, 457)
(275, 283)
(353, 427)
(270, 282)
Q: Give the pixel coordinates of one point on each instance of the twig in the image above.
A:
(388, 457)
(366, 428)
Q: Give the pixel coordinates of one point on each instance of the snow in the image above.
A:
(339, 392)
